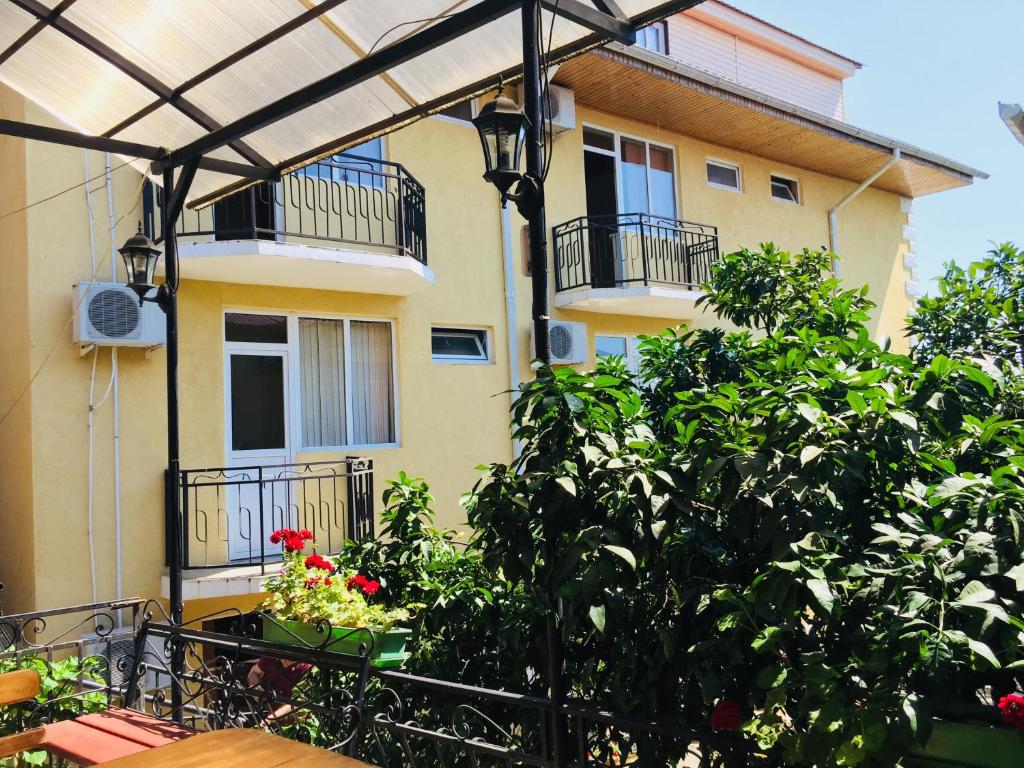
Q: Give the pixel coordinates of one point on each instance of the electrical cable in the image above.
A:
(67, 323)
(64, 192)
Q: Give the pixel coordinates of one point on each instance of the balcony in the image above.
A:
(633, 264)
(348, 223)
(228, 514)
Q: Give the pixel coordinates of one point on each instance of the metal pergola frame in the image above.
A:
(178, 166)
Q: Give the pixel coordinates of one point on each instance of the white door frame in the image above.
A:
(240, 547)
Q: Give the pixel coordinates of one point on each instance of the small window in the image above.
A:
(723, 175)
(459, 345)
(654, 37)
(255, 329)
(626, 347)
(463, 111)
(597, 139)
(786, 189)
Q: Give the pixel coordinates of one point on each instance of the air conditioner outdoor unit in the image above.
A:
(563, 109)
(108, 314)
(568, 342)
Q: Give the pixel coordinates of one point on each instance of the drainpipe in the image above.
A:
(833, 215)
(511, 325)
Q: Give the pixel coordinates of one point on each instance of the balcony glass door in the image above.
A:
(256, 416)
(602, 207)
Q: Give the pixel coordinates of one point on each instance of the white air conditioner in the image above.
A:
(568, 342)
(563, 109)
(108, 314)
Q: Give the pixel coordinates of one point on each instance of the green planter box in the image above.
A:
(388, 647)
(961, 745)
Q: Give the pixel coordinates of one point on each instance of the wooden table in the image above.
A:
(236, 748)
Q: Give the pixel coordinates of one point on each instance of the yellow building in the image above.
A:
(379, 306)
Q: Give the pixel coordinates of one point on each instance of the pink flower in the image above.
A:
(1011, 707)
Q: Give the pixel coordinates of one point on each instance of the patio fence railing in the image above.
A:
(228, 513)
(198, 674)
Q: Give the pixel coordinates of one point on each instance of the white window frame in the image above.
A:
(294, 384)
(784, 177)
(664, 37)
(618, 136)
(724, 164)
(466, 330)
(474, 111)
(632, 342)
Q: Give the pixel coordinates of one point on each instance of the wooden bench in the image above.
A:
(87, 740)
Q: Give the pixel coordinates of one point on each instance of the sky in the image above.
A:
(934, 72)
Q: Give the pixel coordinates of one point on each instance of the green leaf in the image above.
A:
(771, 677)
(905, 419)
(981, 649)
(567, 485)
(597, 616)
(809, 453)
(822, 593)
(809, 412)
(622, 552)
(975, 592)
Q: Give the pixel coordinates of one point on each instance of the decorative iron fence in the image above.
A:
(228, 513)
(204, 678)
(633, 249)
(343, 199)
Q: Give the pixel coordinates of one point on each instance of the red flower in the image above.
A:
(275, 537)
(294, 541)
(327, 581)
(368, 587)
(313, 581)
(726, 716)
(307, 535)
(317, 561)
(1012, 708)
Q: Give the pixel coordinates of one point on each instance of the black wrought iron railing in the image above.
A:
(633, 249)
(199, 674)
(229, 513)
(346, 199)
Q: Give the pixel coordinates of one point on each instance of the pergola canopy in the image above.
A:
(264, 86)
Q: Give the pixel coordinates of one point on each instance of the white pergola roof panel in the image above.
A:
(116, 68)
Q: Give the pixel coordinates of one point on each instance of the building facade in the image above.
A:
(377, 305)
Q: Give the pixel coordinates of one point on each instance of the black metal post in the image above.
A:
(532, 98)
(172, 508)
(532, 107)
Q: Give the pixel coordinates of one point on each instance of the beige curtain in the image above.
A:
(373, 406)
(322, 375)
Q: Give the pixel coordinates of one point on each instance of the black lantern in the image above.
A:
(502, 128)
(140, 256)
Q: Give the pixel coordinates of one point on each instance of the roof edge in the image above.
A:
(847, 130)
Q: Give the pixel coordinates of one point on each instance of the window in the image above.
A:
(346, 381)
(459, 345)
(599, 140)
(654, 37)
(785, 189)
(625, 347)
(648, 180)
(256, 329)
(723, 175)
(462, 112)
(364, 171)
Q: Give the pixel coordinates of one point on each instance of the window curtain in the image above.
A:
(322, 374)
(372, 379)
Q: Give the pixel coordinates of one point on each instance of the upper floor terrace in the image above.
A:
(348, 222)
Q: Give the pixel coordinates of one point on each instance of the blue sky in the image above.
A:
(933, 73)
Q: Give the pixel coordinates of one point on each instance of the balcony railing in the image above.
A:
(633, 249)
(346, 199)
(228, 513)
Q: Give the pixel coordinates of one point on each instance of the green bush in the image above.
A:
(787, 516)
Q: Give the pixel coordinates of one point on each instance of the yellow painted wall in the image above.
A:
(17, 543)
(451, 417)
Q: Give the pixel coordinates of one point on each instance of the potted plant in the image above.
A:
(311, 603)
(954, 744)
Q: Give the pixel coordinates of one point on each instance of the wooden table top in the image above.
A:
(235, 748)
